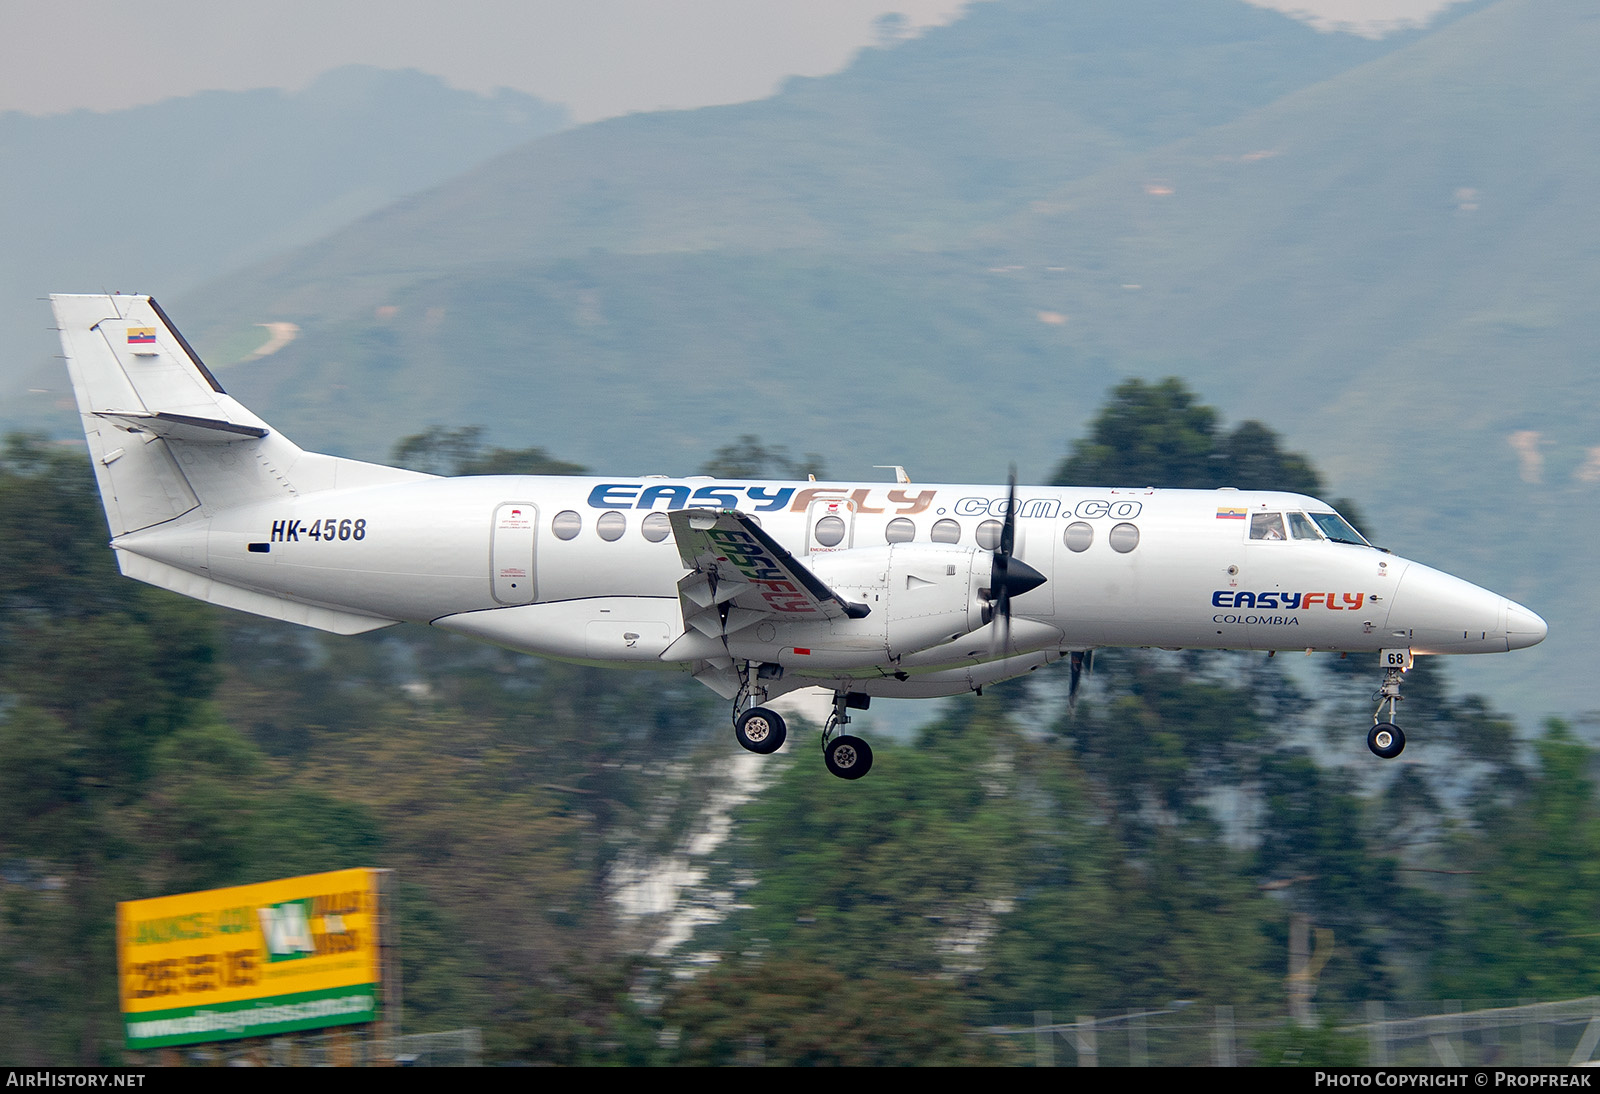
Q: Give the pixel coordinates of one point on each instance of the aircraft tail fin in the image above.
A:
(164, 436)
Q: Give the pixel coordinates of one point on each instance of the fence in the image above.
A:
(1388, 1034)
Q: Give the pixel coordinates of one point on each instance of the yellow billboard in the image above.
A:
(250, 961)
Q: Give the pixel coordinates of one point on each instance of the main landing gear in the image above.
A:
(757, 729)
(762, 730)
(846, 756)
(1385, 738)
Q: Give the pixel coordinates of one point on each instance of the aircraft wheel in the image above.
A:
(760, 730)
(848, 757)
(1386, 740)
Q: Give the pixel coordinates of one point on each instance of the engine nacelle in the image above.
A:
(920, 595)
(935, 594)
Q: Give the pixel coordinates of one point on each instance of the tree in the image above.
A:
(1159, 434)
(749, 458)
(1146, 435)
(98, 675)
(440, 451)
(889, 875)
(1523, 919)
(793, 1012)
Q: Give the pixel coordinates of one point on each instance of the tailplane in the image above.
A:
(171, 448)
(165, 438)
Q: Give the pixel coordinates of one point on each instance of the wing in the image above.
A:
(741, 576)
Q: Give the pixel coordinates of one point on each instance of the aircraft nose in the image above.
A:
(1523, 628)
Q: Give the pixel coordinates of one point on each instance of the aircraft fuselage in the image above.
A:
(576, 568)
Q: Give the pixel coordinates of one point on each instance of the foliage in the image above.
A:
(904, 869)
(1524, 917)
(1158, 434)
(461, 451)
(801, 1013)
(1163, 737)
(581, 1015)
(749, 458)
(1323, 1045)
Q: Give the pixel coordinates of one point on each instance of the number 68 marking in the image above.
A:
(1397, 659)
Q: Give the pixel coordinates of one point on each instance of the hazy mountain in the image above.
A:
(668, 262)
(175, 193)
(909, 147)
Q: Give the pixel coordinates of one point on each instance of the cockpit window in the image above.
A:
(1337, 529)
(1266, 526)
(1300, 527)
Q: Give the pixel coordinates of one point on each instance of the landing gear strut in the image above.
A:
(758, 729)
(845, 756)
(1385, 738)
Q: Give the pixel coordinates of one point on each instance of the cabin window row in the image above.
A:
(829, 531)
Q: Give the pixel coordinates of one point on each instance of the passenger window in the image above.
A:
(1123, 538)
(611, 526)
(566, 524)
(1266, 526)
(900, 530)
(829, 531)
(1078, 536)
(946, 531)
(656, 527)
(1300, 527)
(988, 535)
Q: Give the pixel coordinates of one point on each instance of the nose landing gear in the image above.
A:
(1385, 738)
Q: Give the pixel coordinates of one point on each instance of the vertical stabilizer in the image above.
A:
(166, 440)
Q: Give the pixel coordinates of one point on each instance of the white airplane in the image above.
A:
(754, 588)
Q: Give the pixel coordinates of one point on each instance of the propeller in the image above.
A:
(1082, 662)
(1009, 576)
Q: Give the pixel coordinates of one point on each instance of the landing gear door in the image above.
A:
(511, 552)
(830, 525)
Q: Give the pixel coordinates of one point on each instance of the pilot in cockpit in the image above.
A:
(1266, 526)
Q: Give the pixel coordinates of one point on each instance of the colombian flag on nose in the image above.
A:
(141, 336)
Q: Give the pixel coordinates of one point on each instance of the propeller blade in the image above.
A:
(1009, 576)
(1008, 530)
(1082, 662)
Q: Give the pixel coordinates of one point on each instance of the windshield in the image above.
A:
(1338, 529)
(1301, 528)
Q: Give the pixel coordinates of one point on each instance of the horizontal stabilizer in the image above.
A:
(183, 427)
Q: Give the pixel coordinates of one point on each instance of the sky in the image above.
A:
(600, 58)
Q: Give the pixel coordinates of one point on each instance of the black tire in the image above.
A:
(760, 730)
(848, 757)
(1386, 740)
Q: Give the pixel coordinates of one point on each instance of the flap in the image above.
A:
(736, 564)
